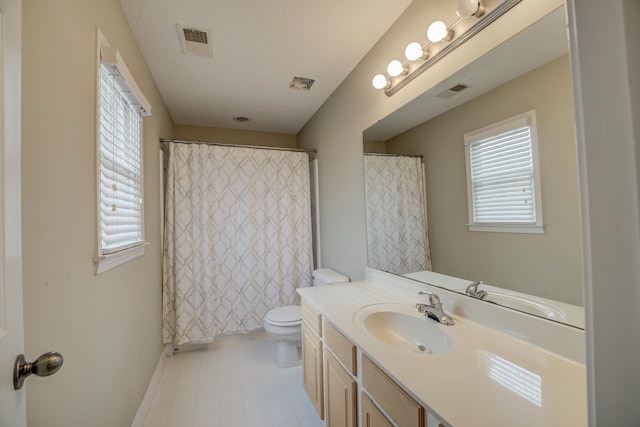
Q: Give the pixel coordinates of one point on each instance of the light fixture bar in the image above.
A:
(400, 82)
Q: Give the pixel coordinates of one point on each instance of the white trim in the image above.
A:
(145, 405)
(508, 228)
(109, 261)
(110, 55)
(315, 194)
(499, 127)
(162, 196)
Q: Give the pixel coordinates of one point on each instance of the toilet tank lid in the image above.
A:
(327, 275)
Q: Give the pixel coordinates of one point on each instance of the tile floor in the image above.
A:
(233, 382)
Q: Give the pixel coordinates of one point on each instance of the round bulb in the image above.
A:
(395, 68)
(380, 81)
(468, 8)
(413, 51)
(437, 31)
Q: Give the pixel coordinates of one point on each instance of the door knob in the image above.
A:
(45, 365)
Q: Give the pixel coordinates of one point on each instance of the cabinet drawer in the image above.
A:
(312, 317)
(371, 415)
(403, 410)
(344, 350)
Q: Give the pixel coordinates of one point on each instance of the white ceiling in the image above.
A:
(258, 47)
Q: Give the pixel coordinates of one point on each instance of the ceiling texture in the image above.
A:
(257, 48)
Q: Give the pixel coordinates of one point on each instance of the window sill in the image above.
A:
(508, 228)
(107, 262)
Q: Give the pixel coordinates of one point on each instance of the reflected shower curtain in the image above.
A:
(397, 238)
(237, 238)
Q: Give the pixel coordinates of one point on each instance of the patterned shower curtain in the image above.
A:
(237, 238)
(397, 238)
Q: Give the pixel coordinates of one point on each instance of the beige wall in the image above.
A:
(107, 327)
(234, 136)
(336, 128)
(547, 265)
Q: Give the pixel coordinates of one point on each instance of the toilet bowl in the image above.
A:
(284, 324)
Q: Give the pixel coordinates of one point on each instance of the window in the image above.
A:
(121, 106)
(503, 185)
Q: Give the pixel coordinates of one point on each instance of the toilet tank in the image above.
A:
(327, 276)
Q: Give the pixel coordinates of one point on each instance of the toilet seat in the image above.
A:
(289, 315)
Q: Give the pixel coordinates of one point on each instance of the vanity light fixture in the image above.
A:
(474, 15)
(395, 68)
(414, 50)
(438, 31)
(469, 8)
(380, 81)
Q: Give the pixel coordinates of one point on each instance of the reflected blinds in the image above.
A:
(120, 163)
(502, 181)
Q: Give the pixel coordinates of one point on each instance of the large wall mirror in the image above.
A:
(530, 72)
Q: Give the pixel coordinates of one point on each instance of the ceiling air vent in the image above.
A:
(195, 41)
(452, 91)
(301, 83)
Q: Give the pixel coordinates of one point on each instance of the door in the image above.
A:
(12, 403)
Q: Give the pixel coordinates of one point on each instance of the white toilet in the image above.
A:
(284, 323)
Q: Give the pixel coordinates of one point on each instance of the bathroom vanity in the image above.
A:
(371, 359)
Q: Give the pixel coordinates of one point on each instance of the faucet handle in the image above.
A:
(432, 298)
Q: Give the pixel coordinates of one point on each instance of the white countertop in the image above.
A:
(487, 378)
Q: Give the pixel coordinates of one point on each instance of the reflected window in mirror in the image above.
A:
(503, 179)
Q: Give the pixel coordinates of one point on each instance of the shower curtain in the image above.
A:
(397, 238)
(237, 238)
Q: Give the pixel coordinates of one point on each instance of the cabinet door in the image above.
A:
(395, 402)
(371, 415)
(312, 368)
(342, 394)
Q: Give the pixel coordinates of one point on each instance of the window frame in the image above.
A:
(535, 227)
(105, 54)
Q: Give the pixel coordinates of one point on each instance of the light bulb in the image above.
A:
(380, 81)
(395, 68)
(468, 8)
(437, 31)
(414, 51)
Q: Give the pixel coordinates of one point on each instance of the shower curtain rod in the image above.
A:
(258, 147)
(394, 155)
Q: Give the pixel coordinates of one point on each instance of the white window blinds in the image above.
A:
(119, 162)
(120, 167)
(502, 176)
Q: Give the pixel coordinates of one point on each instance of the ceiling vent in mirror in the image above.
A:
(452, 91)
(301, 83)
(195, 41)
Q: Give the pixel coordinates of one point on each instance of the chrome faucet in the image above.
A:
(433, 309)
(472, 290)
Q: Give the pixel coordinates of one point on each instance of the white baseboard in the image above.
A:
(138, 421)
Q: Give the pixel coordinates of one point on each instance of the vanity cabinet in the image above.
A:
(341, 386)
(401, 408)
(371, 415)
(330, 376)
(312, 377)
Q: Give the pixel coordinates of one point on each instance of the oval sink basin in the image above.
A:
(523, 304)
(407, 332)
